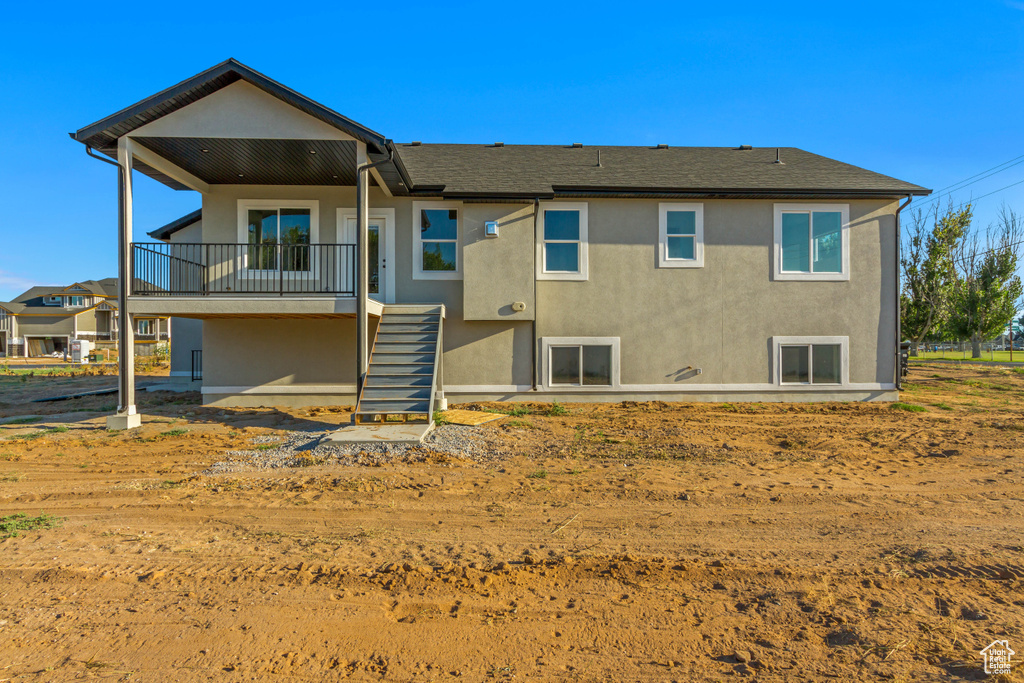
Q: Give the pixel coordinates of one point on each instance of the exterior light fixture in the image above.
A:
(491, 229)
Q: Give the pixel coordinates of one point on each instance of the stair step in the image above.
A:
(404, 347)
(392, 405)
(379, 418)
(412, 317)
(398, 393)
(407, 369)
(386, 327)
(406, 337)
(396, 357)
(396, 380)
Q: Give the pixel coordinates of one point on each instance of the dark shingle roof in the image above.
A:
(546, 170)
(164, 233)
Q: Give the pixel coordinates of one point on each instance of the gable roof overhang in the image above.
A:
(243, 160)
(164, 233)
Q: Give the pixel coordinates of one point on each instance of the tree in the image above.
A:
(986, 294)
(928, 269)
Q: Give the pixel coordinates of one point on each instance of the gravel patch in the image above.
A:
(304, 449)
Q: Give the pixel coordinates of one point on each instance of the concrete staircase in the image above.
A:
(405, 362)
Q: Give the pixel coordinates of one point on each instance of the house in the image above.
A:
(43, 320)
(494, 271)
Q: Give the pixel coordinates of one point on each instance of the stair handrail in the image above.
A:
(438, 359)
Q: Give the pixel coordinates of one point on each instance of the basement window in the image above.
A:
(562, 241)
(436, 240)
(588, 362)
(811, 360)
(680, 235)
(812, 242)
(145, 326)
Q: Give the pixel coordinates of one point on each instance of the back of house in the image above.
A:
(498, 271)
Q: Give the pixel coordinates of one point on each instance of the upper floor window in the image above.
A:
(75, 301)
(436, 240)
(52, 301)
(680, 235)
(812, 242)
(278, 233)
(562, 241)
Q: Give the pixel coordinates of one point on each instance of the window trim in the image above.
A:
(546, 343)
(844, 359)
(779, 274)
(243, 233)
(664, 261)
(417, 242)
(582, 274)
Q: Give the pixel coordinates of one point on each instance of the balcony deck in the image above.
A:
(215, 280)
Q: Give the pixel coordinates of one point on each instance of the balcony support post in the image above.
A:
(362, 276)
(126, 417)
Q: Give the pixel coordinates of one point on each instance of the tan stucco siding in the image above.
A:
(246, 353)
(721, 317)
(498, 271)
(188, 336)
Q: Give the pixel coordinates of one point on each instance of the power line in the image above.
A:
(976, 178)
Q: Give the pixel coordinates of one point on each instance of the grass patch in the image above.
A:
(909, 407)
(174, 432)
(12, 525)
(10, 457)
(41, 433)
(522, 424)
(265, 446)
(440, 419)
(515, 410)
(24, 420)
(11, 478)
(557, 409)
(539, 474)
(943, 406)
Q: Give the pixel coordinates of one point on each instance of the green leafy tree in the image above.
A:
(928, 270)
(987, 291)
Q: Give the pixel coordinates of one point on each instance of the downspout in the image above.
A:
(533, 323)
(362, 263)
(899, 316)
(124, 387)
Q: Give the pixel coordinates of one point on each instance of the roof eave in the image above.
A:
(283, 92)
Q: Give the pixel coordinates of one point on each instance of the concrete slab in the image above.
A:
(390, 433)
(121, 421)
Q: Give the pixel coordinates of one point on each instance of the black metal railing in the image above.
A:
(200, 269)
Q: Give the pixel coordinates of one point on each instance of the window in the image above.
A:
(811, 360)
(680, 235)
(562, 241)
(571, 362)
(812, 242)
(52, 301)
(436, 240)
(279, 234)
(145, 326)
(75, 301)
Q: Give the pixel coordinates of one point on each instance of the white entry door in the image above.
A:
(381, 246)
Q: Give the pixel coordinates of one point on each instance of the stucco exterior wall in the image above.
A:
(720, 318)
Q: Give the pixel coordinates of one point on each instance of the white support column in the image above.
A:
(127, 417)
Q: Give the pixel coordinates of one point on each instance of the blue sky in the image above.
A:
(929, 92)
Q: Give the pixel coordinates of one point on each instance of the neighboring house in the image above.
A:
(43, 320)
(510, 272)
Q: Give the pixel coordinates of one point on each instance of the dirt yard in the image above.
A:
(618, 542)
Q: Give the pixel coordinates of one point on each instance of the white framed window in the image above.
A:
(436, 227)
(52, 301)
(576, 363)
(818, 361)
(145, 326)
(562, 241)
(812, 242)
(75, 301)
(680, 235)
(278, 233)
